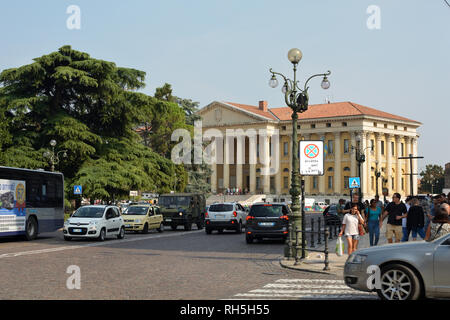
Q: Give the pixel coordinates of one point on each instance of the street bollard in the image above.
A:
(312, 233)
(326, 251)
(319, 227)
(297, 246)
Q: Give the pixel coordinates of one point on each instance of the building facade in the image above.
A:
(344, 127)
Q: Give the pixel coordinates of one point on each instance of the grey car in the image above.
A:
(407, 271)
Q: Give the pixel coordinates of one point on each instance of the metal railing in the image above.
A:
(328, 232)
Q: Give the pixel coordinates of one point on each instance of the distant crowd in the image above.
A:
(427, 217)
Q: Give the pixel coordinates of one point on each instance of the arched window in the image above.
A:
(285, 170)
(346, 169)
(330, 169)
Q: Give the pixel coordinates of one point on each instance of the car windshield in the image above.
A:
(136, 210)
(89, 212)
(174, 201)
(268, 210)
(221, 208)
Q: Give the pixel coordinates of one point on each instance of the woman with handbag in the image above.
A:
(373, 221)
(351, 228)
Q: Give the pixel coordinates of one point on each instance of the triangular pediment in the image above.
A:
(221, 114)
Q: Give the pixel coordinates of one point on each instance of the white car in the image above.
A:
(95, 221)
(225, 215)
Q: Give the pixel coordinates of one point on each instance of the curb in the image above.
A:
(305, 270)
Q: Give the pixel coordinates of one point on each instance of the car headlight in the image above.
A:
(137, 220)
(356, 258)
(67, 222)
(180, 213)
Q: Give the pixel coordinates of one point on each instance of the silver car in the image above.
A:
(404, 271)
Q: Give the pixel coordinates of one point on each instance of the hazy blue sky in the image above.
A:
(222, 50)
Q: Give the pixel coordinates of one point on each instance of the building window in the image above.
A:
(374, 124)
(344, 124)
(330, 182)
(393, 185)
(382, 147)
(346, 178)
(346, 169)
(286, 148)
(328, 125)
(258, 182)
(346, 146)
(283, 127)
(286, 182)
(402, 148)
(313, 126)
(285, 170)
(372, 145)
(314, 182)
(330, 169)
(405, 128)
(403, 183)
(392, 148)
(257, 149)
(330, 146)
(298, 127)
(385, 125)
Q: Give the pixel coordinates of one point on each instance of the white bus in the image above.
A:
(31, 202)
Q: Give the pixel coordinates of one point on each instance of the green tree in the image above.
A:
(432, 179)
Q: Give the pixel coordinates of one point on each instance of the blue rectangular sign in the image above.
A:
(77, 190)
(354, 182)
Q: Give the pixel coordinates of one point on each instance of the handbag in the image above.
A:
(339, 247)
(361, 229)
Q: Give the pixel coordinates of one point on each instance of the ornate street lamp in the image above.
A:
(297, 99)
(377, 175)
(52, 157)
(360, 157)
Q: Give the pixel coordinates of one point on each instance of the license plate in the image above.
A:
(266, 224)
(218, 216)
(168, 220)
(77, 230)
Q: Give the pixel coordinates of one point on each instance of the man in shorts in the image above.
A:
(394, 211)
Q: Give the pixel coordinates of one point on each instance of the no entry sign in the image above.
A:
(311, 158)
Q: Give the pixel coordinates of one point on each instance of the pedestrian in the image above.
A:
(404, 227)
(440, 225)
(355, 200)
(340, 209)
(394, 211)
(415, 220)
(378, 202)
(350, 228)
(373, 214)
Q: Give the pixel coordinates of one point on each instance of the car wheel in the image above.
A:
(121, 234)
(31, 229)
(161, 227)
(239, 227)
(145, 230)
(102, 235)
(249, 239)
(399, 282)
(67, 238)
(208, 230)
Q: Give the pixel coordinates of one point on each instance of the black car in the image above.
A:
(267, 220)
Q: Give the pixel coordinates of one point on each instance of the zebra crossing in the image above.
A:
(306, 289)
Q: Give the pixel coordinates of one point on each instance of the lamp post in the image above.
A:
(297, 99)
(360, 158)
(377, 175)
(52, 156)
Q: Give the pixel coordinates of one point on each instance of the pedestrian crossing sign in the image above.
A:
(77, 190)
(354, 182)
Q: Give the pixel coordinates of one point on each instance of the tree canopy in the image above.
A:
(91, 108)
(432, 179)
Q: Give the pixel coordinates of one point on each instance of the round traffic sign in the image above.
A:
(311, 151)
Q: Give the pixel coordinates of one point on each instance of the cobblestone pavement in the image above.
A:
(170, 265)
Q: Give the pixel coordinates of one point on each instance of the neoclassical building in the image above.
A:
(344, 127)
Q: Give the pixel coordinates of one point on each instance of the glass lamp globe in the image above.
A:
(325, 83)
(295, 55)
(52, 143)
(273, 82)
(284, 88)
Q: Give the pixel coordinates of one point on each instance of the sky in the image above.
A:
(217, 50)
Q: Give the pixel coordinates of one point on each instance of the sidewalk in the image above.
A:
(314, 262)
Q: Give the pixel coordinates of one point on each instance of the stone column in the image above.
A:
(398, 182)
(337, 163)
(364, 177)
(369, 155)
(389, 156)
(266, 167)
(252, 141)
(408, 168)
(353, 163)
(226, 162)
(378, 137)
(214, 178)
(322, 186)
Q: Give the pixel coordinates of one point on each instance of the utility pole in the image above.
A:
(411, 174)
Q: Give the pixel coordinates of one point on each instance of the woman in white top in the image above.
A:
(350, 228)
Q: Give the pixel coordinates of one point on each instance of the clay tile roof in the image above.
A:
(253, 109)
(327, 110)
